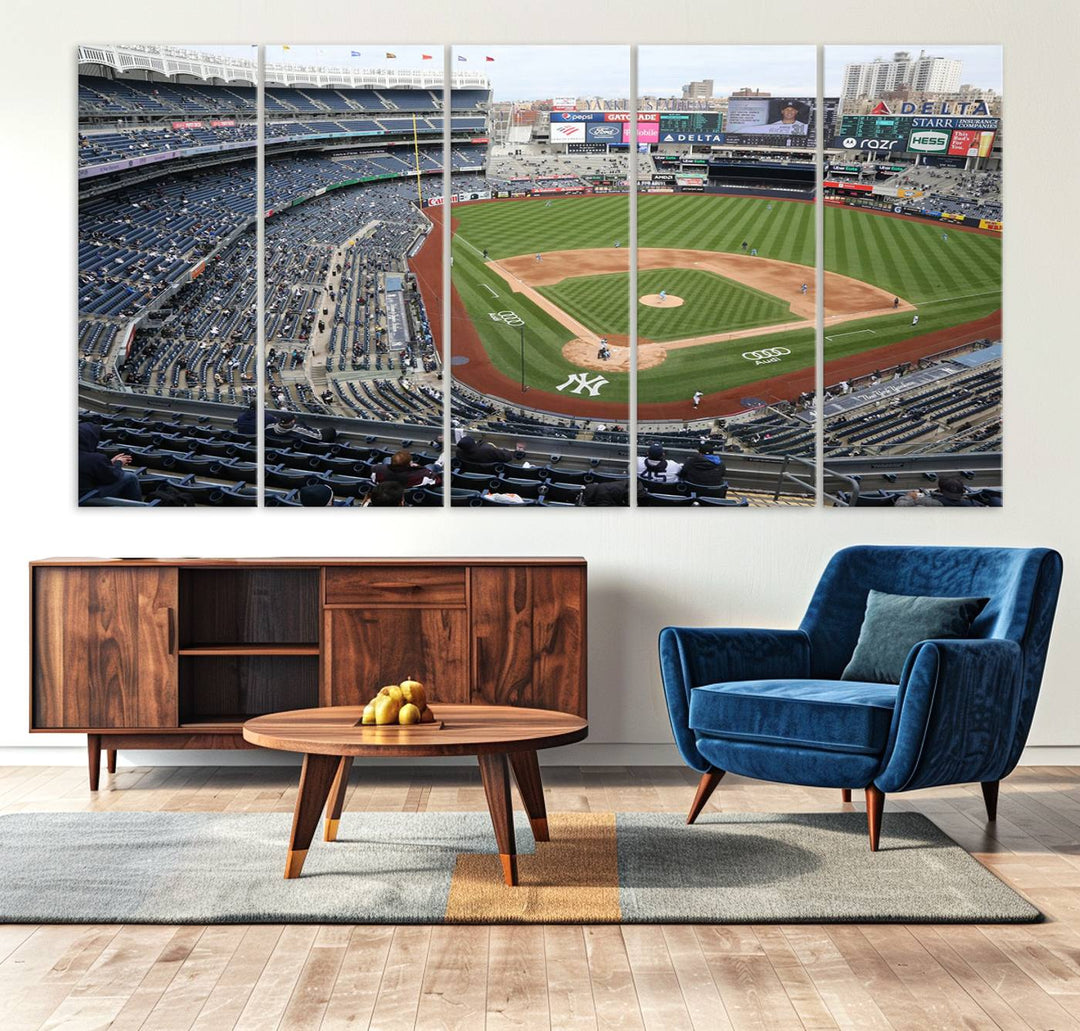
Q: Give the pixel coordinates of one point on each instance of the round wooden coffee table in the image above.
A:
(498, 735)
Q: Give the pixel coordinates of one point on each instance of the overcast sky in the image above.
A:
(662, 70)
(533, 72)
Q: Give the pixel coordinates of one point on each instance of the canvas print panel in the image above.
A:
(913, 236)
(354, 393)
(541, 279)
(726, 266)
(167, 274)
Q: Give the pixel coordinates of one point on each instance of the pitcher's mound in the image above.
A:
(655, 301)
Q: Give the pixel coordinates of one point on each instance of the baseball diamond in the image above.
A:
(690, 247)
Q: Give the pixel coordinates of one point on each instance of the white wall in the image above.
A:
(647, 568)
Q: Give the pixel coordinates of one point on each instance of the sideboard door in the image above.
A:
(528, 636)
(104, 647)
(368, 648)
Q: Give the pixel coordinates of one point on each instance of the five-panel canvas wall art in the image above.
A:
(370, 275)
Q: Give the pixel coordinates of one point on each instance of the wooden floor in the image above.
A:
(662, 977)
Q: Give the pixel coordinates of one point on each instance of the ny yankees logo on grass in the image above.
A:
(583, 383)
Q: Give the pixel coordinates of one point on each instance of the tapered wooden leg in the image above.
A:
(706, 786)
(337, 798)
(110, 759)
(526, 769)
(496, 777)
(845, 794)
(875, 805)
(93, 755)
(990, 797)
(315, 780)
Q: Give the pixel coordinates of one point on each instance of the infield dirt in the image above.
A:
(845, 298)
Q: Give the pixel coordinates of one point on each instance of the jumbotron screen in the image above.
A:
(770, 121)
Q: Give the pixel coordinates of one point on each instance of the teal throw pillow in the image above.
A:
(895, 623)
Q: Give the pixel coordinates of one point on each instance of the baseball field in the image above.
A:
(705, 301)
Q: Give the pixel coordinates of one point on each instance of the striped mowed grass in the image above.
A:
(709, 301)
(950, 281)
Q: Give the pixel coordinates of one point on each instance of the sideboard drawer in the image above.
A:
(395, 585)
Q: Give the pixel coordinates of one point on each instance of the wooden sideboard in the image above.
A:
(141, 653)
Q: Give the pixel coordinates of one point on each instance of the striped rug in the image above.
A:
(206, 868)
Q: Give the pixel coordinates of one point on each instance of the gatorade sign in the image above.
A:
(928, 141)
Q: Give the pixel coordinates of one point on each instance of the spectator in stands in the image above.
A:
(106, 478)
(916, 499)
(469, 450)
(951, 493)
(287, 428)
(706, 468)
(404, 470)
(245, 421)
(386, 495)
(656, 467)
(606, 494)
(316, 495)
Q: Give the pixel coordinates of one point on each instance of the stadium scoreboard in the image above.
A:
(691, 121)
(875, 127)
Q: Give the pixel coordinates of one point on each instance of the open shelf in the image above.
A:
(248, 606)
(249, 649)
(231, 685)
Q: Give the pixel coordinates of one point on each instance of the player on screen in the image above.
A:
(790, 122)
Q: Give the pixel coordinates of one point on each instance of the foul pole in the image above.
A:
(416, 150)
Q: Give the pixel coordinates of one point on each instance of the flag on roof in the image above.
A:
(425, 57)
(489, 58)
(354, 53)
(390, 55)
(286, 48)
(462, 57)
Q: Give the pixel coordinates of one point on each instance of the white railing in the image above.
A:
(167, 60)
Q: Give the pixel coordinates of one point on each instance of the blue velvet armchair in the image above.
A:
(770, 704)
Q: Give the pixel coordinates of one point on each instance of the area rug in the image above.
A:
(210, 868)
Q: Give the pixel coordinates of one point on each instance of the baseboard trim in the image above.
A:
(587, 753)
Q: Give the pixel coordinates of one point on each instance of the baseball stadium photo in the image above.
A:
(558, 305)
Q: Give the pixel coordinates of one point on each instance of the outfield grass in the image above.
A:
(951, 282)
(713, 304)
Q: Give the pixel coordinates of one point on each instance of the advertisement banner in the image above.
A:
(873, 143)
(223, 123)
(928, 141)
(586, 148)
(571, 132)
(986, 223)
(563, 103)
(986, 143)
(691, 137)
(577, 116)
(603, 132)
(647, 132)
(187, 125)
(965, 142)
(624, 116)
(847, 185)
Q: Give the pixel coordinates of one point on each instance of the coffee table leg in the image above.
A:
(527, 774)
(496, 778)
(315, 780)
(337, 798)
